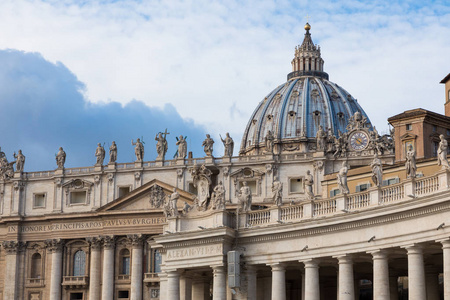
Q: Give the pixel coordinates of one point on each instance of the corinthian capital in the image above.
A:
(136, 239)
(12, 247)
(54, 245)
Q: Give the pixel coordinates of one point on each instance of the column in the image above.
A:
(251, 282)
(185, 287)
(380, 276)
(108, 268)
(346, 280)
(136, 265)
(278, 281)
(55, 246)
(162, 286)
(219, 283)
(94, 270)
(446, 267)
(432, 282)
(312, 288)
(173, 285)
(416, 273)
(10, 283)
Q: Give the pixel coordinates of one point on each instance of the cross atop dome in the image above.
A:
(307, 59)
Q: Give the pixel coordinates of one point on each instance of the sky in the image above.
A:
(77, 73)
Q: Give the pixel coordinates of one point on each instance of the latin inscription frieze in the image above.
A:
(194, 252)
(67, 226)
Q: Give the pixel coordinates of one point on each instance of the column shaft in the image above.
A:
(346, 279)
(108, 271)
(136, 272)
(185, 287)
(416, 273)
(312, 288)
(380, 276)
(56, 275)
(446, 267)
(94, 274)
(173, 285)
(278, 282)
(219, 283)
(10, 282)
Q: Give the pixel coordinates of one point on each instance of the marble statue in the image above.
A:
(182, 147)
(245, 197)
(173, 201)
(309, 181)
(442, 153)
(20, 161)
(228, 145)
(100, 154)
(377, 170)
(208, 145)
(186, 208)
(342, 179)
(320, 139)
(61, 158)
(6, 168)
(277, 193)
(269, 139)
(410, 165)
(138, 149)
(201, 179)
(218, 197)
(113, 152)
(161, 144)
(331, 139)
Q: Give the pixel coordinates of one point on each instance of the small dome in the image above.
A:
(294, 111)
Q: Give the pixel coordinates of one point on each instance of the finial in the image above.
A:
(307, 27)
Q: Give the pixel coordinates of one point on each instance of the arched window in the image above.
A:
(157, 260)
(79, 263)
(36, 266)
(125, 262)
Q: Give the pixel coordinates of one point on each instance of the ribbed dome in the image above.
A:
(294, 111)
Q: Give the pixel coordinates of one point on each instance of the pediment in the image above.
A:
(408, 136)
(150, 196)
(247, 173)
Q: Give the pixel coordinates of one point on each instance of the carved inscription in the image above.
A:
(194, 252)
(86, 225)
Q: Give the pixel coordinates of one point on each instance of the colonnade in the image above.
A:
(423, 281)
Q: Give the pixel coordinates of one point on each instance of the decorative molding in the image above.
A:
(54, 245)
(13, 247)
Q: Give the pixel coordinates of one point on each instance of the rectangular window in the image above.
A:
(253, 187)
(124, 190)
(408, 127)
(76, 296)
(296, 185)
(122, 295)
(391, 181)
(78, 197)
(39, 200)
(362, 187)
(334, 193)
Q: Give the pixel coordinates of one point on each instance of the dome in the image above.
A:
(294, 111)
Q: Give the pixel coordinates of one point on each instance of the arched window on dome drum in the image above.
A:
(124, 262)
(79, 263)
(36, 266)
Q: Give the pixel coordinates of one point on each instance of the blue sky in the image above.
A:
(75, 73)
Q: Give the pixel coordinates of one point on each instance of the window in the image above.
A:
(78, 197)
(39, 200)
(36, 266)
(435, 146)
(391, 181)
(124, 190)
(79, 263)
(448, 95)
(252, 186)
(125, 262)
(434, 128)
(334, 193)
(296, 185)
(122, 295)
(408, 127)
(157, 260)
(76, 296)
(362, 187)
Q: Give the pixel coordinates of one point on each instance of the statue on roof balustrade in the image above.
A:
(442, 153)
(410, 165)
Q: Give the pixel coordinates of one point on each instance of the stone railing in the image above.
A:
(123, 278)
(75, 280)
(404, 191)
(34, 282)
(151, 277)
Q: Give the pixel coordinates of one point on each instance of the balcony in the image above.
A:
(123, 278)
(75, 282)
(34, 282)
(151, 277)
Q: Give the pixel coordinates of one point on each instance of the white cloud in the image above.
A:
(210, 58)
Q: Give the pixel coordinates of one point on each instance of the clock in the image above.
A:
(359, 140)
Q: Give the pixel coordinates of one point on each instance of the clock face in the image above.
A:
(359, 140)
